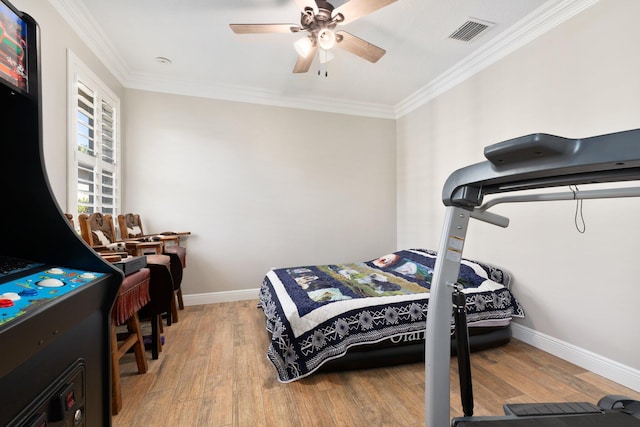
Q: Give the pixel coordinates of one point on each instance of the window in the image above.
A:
(94, 143)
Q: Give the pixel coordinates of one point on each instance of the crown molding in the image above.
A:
(545, 18)
(258, 96)
(551, 14)
(88, 29)
(76, 14)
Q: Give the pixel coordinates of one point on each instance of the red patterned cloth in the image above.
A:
(133, 295)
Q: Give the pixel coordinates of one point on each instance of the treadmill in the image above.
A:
(526, 163)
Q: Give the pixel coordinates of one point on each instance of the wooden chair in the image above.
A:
(131, 228)
(133, 295)
(70, 219)
(98, 231)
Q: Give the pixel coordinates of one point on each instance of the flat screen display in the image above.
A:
(13, 42)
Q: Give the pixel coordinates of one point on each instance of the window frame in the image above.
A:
(79, 73)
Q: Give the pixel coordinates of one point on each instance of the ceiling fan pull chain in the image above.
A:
(326, 72)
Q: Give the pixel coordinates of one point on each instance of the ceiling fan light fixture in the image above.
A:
(326, 38)
(325, 56)
(303, 46)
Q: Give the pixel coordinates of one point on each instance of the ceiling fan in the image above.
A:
(319, 18)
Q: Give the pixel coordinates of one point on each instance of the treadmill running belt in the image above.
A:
(609, 419)
(562, 408)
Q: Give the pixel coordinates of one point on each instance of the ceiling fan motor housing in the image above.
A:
(325, 10)
(313, 22)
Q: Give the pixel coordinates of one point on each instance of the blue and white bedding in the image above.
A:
(315, 313)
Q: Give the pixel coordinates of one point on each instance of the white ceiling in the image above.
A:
(208, 59)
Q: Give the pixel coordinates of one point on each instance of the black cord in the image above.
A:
(582, 226)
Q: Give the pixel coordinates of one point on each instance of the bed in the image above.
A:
(372, 313)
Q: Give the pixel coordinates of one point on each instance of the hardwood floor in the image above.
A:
(213, 372)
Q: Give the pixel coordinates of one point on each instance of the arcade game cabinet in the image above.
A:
(56, 294)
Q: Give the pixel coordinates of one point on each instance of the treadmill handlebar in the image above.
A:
(543, 160)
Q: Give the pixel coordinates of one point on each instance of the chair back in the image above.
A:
(70, 219)
(97, 229)
(130, 226)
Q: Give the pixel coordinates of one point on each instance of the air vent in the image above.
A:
(470, 30)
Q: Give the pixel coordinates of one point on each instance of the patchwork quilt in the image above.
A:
(316, 313)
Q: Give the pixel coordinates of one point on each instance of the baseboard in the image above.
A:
(225, 296)
(610, 369)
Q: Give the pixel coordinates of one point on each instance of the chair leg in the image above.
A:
(180, 301)
(116, 395)
(135, 340)
(174, 308)
(138, 347)
(156, 340)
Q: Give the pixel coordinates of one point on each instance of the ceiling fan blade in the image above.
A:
(359, 47)
(304, 62)
(264, 28)
(355, 9)
(303, 4)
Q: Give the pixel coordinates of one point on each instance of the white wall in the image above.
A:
(578, 80)
(56, 37)
(258, 186)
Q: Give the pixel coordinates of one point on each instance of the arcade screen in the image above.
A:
(13, 41)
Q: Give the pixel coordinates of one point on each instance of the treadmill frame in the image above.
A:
(530, 162)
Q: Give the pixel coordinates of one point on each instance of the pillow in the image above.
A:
(101, 238)
(134, 231)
